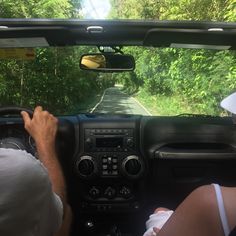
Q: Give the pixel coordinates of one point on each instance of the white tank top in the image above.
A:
(221, 207)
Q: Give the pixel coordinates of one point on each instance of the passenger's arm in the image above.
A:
(197, 215)
(43, 127)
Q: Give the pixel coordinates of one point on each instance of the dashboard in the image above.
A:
(118, 169)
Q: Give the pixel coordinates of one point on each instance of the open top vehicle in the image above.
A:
(122, 159)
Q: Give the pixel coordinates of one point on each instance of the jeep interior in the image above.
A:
(119, 165)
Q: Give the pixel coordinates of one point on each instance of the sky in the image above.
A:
(95, 9)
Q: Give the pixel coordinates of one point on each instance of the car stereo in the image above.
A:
(109, 140)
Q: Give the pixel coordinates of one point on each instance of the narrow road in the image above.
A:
(117, 102)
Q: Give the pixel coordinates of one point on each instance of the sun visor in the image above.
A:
(215, 38)
(23, 42)
(21, 37)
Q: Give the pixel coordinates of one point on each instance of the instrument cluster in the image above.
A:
(15, 136)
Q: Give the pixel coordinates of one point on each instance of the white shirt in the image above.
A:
(28, 206)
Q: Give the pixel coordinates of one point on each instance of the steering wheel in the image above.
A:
(13, 142)
(14, 110)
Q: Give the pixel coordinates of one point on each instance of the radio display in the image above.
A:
(109, 142)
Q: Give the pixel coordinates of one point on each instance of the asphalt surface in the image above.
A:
(115, 101)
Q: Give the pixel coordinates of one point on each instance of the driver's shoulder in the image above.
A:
(20, 166)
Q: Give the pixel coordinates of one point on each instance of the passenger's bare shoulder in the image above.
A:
(204, 196)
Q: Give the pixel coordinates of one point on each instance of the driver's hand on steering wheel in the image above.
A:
(42, 127)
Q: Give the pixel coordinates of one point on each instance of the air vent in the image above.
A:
(85, 166)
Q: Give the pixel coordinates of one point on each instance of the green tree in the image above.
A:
(54, 78)
(193, 75)
(39, 8)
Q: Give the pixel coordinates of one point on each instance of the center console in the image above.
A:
(108, 171)
(110, 153)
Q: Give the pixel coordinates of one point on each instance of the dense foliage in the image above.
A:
(194, 79)
(54, 79)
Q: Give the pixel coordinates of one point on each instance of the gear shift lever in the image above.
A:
(115, 231)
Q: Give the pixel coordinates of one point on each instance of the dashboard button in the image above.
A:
(105, 172)
(125, 192)
(110, 192)
(104, 167)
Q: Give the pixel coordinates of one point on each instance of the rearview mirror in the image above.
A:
(107, 62)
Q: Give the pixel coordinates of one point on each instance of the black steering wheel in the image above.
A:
(14, 142)
(14, 110)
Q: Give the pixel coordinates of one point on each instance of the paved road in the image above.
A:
(117, 102)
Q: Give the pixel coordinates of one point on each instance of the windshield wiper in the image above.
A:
(193, 115)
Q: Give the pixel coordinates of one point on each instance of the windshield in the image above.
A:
(165, 81)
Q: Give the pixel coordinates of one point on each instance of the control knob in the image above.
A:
(94, 192)
(89, 143)
(130, 142)
(125, 192)
(110, 192)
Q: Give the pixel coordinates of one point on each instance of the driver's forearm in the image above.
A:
(66, 224)
(47, 155)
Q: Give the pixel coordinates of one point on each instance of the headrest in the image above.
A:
(229, 103)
